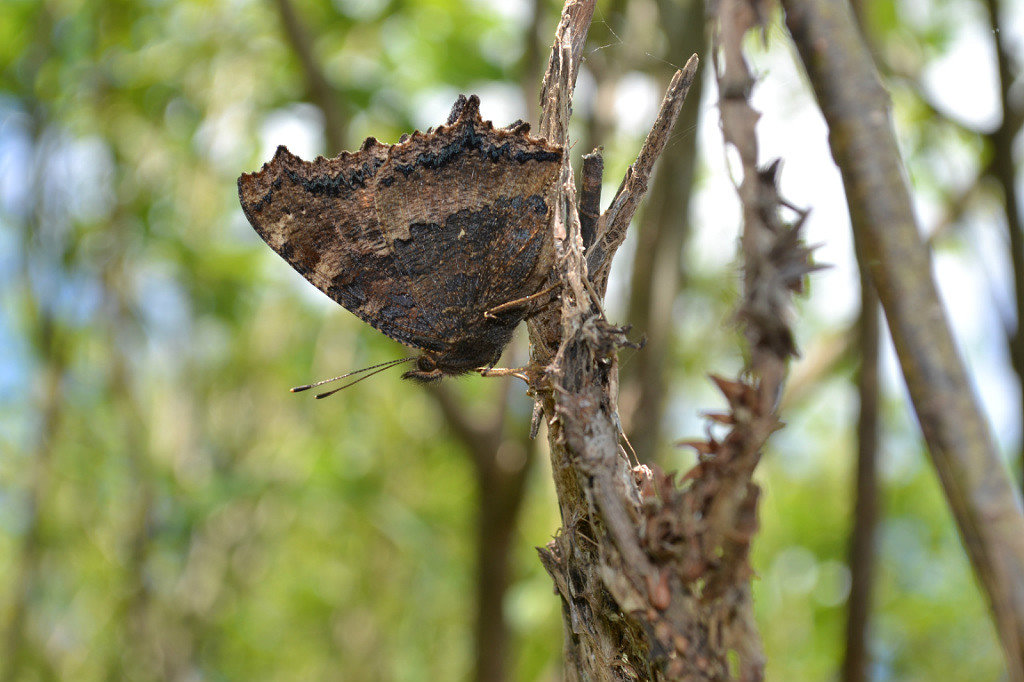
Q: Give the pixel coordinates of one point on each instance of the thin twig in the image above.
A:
(615, 220)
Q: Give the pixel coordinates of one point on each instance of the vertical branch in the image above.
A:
(865, 511)
(17, 645)
(1005, 172)
(136, 653)
(501, 489)
(861, 558)
(653, 576)
(984, 503)
(50, 350)
(590, 197)
(775, 263)
(502, 465)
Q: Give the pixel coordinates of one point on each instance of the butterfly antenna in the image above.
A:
(318, 396)
(384, 365)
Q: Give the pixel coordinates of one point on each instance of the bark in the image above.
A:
(861, 560)
(856, 658)
(653, 574)
(985, 505)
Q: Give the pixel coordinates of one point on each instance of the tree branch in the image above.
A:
(1004, 170)
(590, 197)
(615, 220)
(985, 505)
(856, 657)
(52, 349)
(653, 576)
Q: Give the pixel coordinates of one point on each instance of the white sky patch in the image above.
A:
(298, 127)
(433, 106)
(15, 157)
(500, 46)
(967, 286)
(963, 81)
(715, 204)
(362, 10)
(584, 96)
(221, 139)
(637, 99)
(499, 102)
(88, 171)
(510, 10)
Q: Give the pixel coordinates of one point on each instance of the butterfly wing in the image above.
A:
(420, 238)
(320, 217)
(467, 209)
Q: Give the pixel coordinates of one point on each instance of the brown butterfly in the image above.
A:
(441, 241)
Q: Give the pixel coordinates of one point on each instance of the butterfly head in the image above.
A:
(427, 370)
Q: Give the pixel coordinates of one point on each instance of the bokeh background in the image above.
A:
(168, 511)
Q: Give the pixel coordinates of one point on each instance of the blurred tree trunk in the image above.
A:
(662, 233)
(1004, 171)
(502, 465)
(502, 484)
(856, 658)
(862, 556)
(984, 503)
(136, 656)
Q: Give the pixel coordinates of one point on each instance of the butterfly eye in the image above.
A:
(426, 363)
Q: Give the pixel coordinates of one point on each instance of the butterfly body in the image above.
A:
(422, 238)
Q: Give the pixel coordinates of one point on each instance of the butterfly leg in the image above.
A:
(525, 300)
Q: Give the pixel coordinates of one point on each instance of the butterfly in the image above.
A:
(442, 241)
